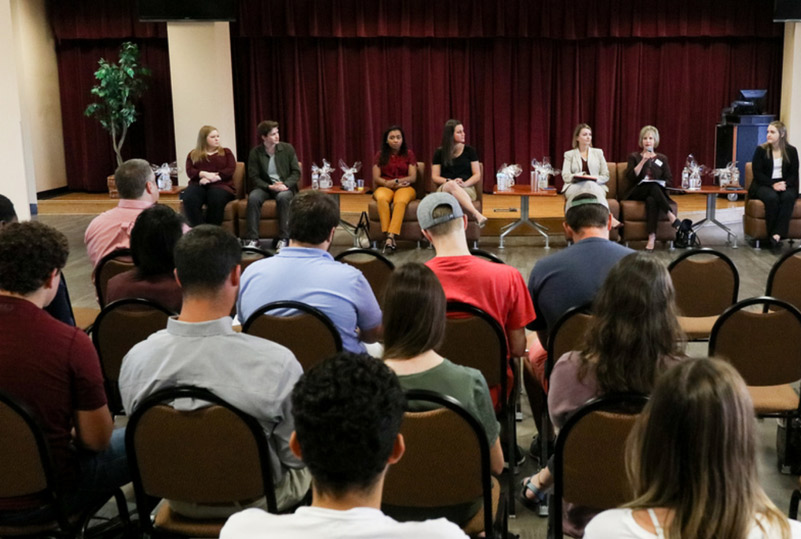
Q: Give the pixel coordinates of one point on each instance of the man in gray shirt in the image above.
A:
(200, 348)
(569, 278)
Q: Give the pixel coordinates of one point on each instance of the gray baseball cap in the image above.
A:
(426, 209)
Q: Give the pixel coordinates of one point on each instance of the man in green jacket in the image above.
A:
(274, 173)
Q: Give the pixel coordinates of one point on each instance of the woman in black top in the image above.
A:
(648, 165)
(775, 166)
(455, 169)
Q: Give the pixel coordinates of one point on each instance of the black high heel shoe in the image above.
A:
(389, 246)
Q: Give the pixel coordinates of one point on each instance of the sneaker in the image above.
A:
(256, 244)
(280, 245)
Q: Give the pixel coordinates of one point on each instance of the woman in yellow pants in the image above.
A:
(394, 171)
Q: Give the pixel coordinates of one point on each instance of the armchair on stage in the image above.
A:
(754, 225)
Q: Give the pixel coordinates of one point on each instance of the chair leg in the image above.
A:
(794, 504)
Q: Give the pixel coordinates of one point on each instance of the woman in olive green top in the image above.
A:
(414, 325)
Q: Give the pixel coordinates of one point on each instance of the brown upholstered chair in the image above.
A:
(706, 283)
(308, 332)
(26, 470)
(410, 229)
(213, 455)
(594, 478)
(783, 278)
(474, 339)
(114, 263)
(377, 269)
(764, 345)
(754, 225)
(268, 224)
(447, 462)
(611, 199)
(118, 327)
(633, 213)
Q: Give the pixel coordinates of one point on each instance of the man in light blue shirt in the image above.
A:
(306, 272)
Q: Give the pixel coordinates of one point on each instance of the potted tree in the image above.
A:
(119, 86)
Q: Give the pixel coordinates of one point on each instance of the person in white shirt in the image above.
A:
(348, 411)
(692, 463)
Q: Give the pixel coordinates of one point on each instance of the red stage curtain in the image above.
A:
(518, 98)
(87, 146)
(100, 19)
(555, 19)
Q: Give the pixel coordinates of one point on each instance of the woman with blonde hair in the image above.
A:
(649, 172)
(633, 338)
(775, 167)
(210, 169)
(692, 463)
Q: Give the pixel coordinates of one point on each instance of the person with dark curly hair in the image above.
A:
(53, 369)
(348, 411)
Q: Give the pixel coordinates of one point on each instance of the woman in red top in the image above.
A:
(394, 171)
(210, 168)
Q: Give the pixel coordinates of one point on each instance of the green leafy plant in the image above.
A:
(119, 86)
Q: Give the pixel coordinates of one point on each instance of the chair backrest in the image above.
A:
(474, 339)
(706, 282)
(24, 455)
(251, 255)
(567, 334)
(623, 183)
(421, 183)
(447, 458)
(749, 174)
(114, 263)
(377, 268)
(212, 455)
(764, 347)
(304, 329)
(487, 255)
(589, 457)
(612, 183)
(239, 180)
(119, 326)
(783, 278)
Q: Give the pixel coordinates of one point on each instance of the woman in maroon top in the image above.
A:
(210, 168)
(394, 171)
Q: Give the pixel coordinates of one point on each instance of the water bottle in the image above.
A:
(735, 177)
(695, 181)
(543, 182)
(315, 180)
(685, 178)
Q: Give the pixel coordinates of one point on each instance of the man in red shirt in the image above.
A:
(497, 289)
(53, 369)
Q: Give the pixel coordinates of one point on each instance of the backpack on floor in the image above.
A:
(686, 238)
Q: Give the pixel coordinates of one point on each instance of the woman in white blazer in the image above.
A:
(585, 169)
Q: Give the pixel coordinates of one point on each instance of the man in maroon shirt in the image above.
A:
(53, 369)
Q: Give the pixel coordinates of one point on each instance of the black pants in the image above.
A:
(778, 208)
(656, 202)
(214, 198)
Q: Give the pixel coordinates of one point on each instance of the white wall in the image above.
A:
(202, 84)
(12, 152)
(791, 82)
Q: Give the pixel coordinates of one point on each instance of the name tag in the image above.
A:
(658, 162)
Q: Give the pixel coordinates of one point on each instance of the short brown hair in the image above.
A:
(414, 312)
(312, 215)
(266, 126)
(29, 252)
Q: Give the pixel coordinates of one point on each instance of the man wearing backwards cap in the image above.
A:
(495, 288)
(568, 279)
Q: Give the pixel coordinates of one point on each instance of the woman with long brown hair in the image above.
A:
(692, 463)
(633, 338)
